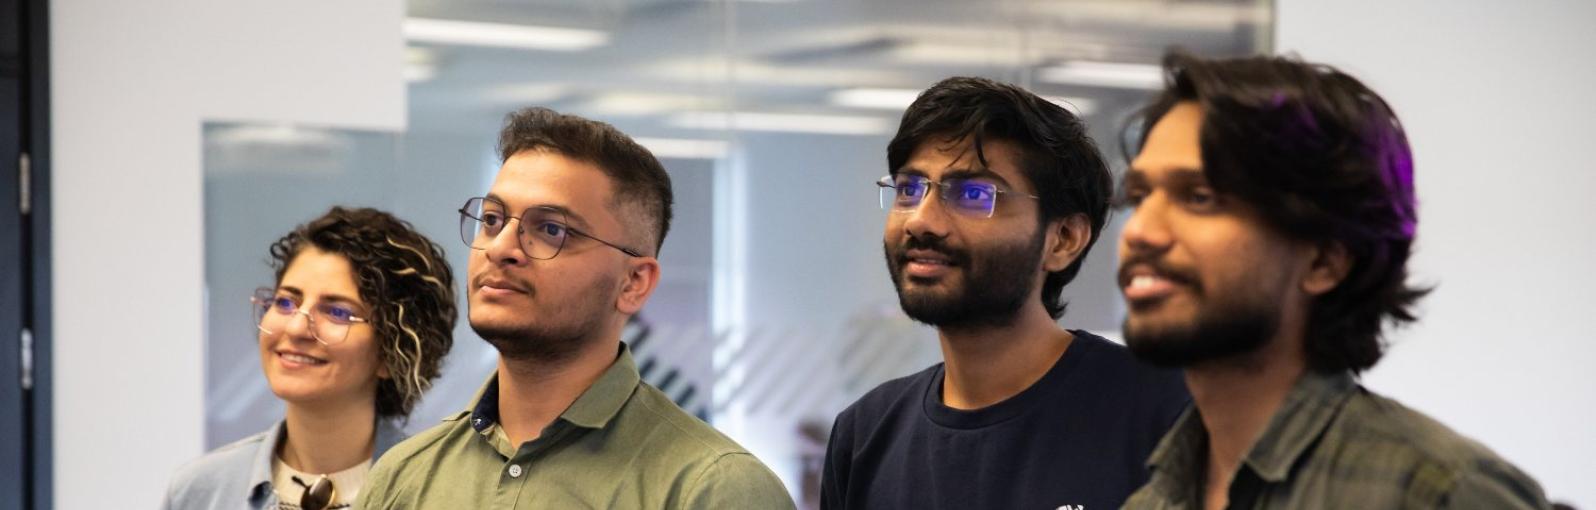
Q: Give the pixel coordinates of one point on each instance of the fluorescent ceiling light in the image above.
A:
(421, 64)
(1081, 106)
(899, 99)
(417, 73)
(875, 98)
(1105, 74)
(698, 69)
(783, 122)
(684, 148)
(532, 93)
(962, 54)
(500, 35)
(634, 103)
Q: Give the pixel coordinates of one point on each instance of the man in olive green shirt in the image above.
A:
(1273, 214)
(564, 251)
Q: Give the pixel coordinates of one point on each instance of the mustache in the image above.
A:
(955, 256)
(1178, 275)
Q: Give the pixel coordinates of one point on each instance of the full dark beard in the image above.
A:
(996, 283)
(1228, 330)
(551, 340)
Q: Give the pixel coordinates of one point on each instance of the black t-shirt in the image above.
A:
(1079, 437)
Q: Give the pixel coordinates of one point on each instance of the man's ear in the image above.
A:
(1330, 265)
(1067, 239)
(642, 276)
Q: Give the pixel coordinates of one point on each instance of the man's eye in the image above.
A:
(551, 229)
(911, 189)
(1130, 198)
(976, 193)
(492, 219)
(1201, 197)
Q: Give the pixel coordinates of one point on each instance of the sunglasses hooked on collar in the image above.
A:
(318, 495)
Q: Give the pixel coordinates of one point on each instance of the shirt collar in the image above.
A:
(260, 477)
(1313, 403)
(593, 409)
(1305, 415)
(388, 433)
(1179, 456)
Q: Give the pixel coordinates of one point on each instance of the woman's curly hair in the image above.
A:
(405, 281)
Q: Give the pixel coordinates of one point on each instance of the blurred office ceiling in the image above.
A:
(681, 68)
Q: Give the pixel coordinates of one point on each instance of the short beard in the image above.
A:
(545, 343)
(996, 283)
(1229, 331)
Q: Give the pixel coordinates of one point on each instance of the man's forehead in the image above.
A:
(1164, 175)
(941, 156)
(548, 179)
(1174, 140)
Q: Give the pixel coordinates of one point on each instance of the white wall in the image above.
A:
(1497, 100)
(130, 85)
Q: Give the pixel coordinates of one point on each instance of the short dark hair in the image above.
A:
(406, 281)
(640, 180)
(1324, 160)
(1057, 156)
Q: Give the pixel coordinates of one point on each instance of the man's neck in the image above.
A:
(1237, 398)
(327, 438)
(990, 364)
(534, 392)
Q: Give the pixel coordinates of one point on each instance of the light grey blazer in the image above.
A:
(239, 475)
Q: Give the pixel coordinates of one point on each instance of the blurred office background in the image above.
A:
(187, 136)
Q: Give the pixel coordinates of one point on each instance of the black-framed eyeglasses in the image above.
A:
(541, 234)
(330, 322)
(974, 197)
(318, 495)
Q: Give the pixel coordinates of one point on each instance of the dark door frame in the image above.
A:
(26, 477)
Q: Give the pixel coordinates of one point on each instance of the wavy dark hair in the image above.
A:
(640, 182)
(405, 280)
(1324, 160)
(1056, 155)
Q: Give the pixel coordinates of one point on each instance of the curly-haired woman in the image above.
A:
(351, 335)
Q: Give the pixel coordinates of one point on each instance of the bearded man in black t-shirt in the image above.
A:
(995, 195)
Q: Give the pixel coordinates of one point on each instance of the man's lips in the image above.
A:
(1143, 282)
(922, 263)
(498, 286)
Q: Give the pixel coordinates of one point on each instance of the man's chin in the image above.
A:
(497, 330)
(1172, 344)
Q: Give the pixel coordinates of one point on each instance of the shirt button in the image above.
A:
(515, 471)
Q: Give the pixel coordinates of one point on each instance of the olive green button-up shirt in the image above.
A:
(1333, 444)
(622, 444)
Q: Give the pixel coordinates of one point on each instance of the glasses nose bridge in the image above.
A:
(311, 326)
(935, 190)
(925, 218)
(515, 236)
(945, 195)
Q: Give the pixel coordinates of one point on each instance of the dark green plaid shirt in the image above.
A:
(1333, 444)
